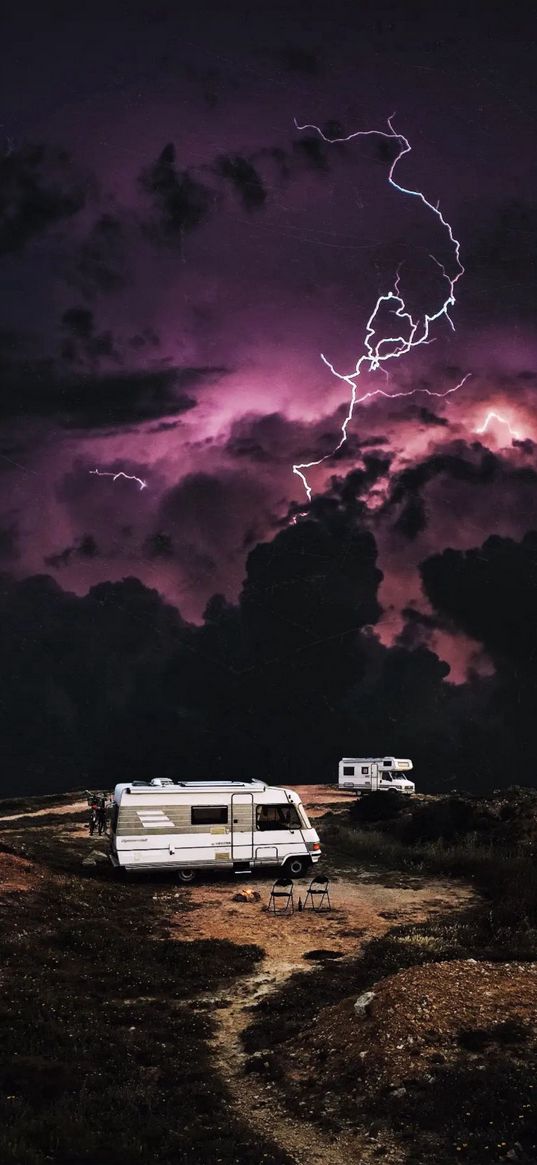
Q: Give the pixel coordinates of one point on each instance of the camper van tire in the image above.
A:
(295, 867)
(186, 876)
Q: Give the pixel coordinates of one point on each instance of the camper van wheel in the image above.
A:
(294, 867)
(186, 876)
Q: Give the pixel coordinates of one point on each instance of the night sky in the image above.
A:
(175, 256)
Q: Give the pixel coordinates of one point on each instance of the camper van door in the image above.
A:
(375, 779)
(242, 827)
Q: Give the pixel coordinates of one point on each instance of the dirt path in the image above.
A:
(257, 1102)
(55, 810)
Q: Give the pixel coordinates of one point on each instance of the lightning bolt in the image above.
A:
(414, 332)
(114, 476)
(503, 421)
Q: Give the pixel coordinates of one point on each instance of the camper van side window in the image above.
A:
(209, 814)
(348, 770)
(365, 770)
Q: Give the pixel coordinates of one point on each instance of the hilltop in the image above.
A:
(143, 1022)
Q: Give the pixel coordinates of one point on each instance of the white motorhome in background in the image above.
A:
(193, 825)
(368, 774)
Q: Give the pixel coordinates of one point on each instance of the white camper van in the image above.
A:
(189, 825)
(367, 774)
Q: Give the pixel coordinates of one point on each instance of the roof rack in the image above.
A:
(188, 786)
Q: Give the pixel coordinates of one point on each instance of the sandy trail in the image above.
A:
(255, 1101)
(55, 810)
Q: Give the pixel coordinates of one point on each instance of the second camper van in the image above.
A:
(366, 774)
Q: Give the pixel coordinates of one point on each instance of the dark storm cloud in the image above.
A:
(312, 151)
(417, 629)
(346, 497)
(274, 439)
(38, 188)
(525, 446)
(490, 593)
(180, 201)
(289, 671)
(315, 583)
(99, 266)
(244, 178)
(211, 511)
(96, 400)
(474, 465)
(86, 547)
(268, 438)
(413, 518)
(83, 345)
(369, 442)
(469, 465)
(360, 482)
(428, 418)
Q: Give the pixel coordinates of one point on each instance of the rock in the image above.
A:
(94, 856)
(364, 1002)
(399, 1092)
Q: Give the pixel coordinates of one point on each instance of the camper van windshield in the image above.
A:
(277, 817)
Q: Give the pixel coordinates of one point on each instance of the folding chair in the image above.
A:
(318, 894)
(282, 888)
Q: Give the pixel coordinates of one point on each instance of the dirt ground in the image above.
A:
(360, 908)
(363, 905)
(18, 874)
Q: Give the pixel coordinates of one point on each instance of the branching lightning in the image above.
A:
(114, 476)
(414, 332)
(491, 416)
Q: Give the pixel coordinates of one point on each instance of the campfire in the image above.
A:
(246, 894)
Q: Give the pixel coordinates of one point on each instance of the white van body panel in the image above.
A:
(368, 774)
(204, 824)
